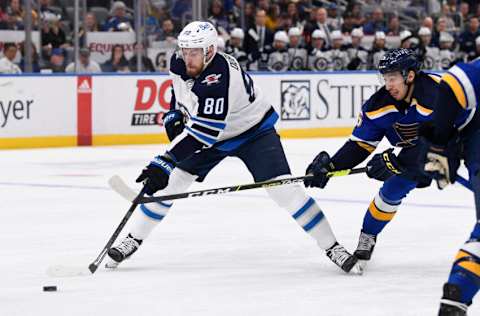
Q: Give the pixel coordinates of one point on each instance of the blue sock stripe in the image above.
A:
(314, 221)
(151, 214)
(304, 208)
(168, 205)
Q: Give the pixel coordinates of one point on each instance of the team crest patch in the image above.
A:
(212, 79)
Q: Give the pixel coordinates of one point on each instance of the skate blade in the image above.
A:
(111, 264)
(359, 267)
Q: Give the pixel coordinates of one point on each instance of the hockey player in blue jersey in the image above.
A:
(395, 112)
(218, 111)
(455, 136)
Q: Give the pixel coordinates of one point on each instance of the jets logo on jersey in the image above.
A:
(212, 79)
(321, 63)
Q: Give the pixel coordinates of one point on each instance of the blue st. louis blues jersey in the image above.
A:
(398, 121)
(223, 106)
(383, 116)
(464, 80)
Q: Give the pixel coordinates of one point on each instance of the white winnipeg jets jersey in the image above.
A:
(447, 57)
(221, 103)
(298, 58)
(431, 59)
(318, 60)
(338, 59)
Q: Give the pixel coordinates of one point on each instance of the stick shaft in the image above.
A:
(242, 187)
(94, 265)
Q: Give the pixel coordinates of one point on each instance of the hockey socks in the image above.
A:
(380, 212)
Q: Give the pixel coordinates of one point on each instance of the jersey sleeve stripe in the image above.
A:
(366, 146)
(435, 77)
(469, 97)
(205, 130)
(466, 84)
(457, 89)
(202, 138)
(423, 110)
(358, 139)
(217, 125)
(381, 112)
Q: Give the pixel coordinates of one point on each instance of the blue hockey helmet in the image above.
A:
(399, 59)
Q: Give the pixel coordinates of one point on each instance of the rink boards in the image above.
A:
(107, 109)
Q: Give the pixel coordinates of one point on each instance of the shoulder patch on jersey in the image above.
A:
(212, 79)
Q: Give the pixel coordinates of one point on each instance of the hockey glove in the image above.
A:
(155, 175)
(383, 166)
(174, 122)
(320, 166)
(441, 162)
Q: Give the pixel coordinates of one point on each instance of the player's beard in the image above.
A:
(194, 71)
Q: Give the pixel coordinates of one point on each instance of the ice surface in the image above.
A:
(235, 254)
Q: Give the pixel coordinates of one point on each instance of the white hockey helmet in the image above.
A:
(220, 44)
(424, 31)
(281, 36)
(380, 35)
(294, 31)
(237, 33)
(357, 32)
(319, 34)
(336, 35)
(199, 34)
(445, 37)
(405, 34)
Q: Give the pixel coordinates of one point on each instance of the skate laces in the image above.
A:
(365, 242)
(127, 246)
(339, 255)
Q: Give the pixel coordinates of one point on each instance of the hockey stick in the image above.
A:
(94, 265)
(73, 271)
(119, 186)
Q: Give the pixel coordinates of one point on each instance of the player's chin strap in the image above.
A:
(119, 186)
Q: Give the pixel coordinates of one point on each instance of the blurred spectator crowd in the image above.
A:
(265, 35)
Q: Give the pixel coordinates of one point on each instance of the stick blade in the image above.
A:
(61, 271)
(118, 185)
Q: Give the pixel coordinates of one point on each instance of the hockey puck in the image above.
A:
(51, 288)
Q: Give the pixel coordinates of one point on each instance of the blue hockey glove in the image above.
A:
(155, 175)
(174, 122)
(383, 166)
(320, 166)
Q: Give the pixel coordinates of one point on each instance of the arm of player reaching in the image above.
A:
(364, 139)
(440, 153)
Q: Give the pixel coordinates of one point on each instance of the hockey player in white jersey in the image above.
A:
(234, 47)
(357, 54)
(278, 57)
(217, 112)
(447, 54)
(431, 55)
(338, 57)
(318, 56)
(378, 50)
(296, 50)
